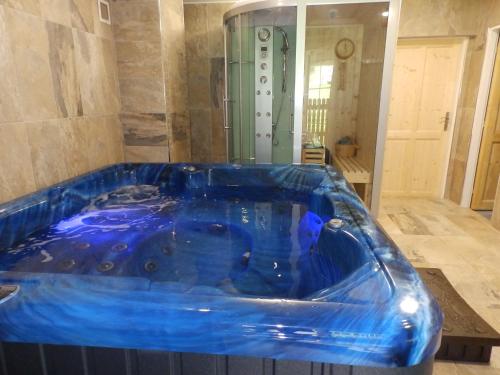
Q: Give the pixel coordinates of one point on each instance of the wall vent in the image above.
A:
(104, 13)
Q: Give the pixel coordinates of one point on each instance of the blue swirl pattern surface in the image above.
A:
(273, 261)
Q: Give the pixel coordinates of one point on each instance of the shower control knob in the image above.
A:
(268, 135)
(258, 135)
(264, 34)
(258, 92)
(268, 92)
(268, 114)
(263, 79)
(263, 66)
(258, 114)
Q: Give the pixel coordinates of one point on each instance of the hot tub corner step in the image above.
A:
(466, 336)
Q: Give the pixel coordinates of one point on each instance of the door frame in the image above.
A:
(493, 37)
(453, 120)
(456, 99)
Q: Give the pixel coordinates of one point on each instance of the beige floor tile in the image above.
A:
(445, 368)
(439, 233)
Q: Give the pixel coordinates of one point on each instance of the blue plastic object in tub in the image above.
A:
(271, 261)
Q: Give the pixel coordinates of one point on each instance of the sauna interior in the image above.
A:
(400, 98)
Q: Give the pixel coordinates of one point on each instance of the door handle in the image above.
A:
(446, 119)
(225, 111)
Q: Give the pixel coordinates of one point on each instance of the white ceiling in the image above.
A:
(207, 1)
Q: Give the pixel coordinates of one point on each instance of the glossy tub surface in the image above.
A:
(216, 259)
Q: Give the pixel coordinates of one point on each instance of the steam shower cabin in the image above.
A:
(260, 83)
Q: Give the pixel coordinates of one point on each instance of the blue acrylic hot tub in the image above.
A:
(279, 262)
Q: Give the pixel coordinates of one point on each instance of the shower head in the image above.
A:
(284, 49)
(285, 46)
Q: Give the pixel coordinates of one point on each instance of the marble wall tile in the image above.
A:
(57, 11)
(139, 59)
(492, 9)
(16, 177)
(201, 134)
(47, 147)
(175, 72)
(218, 137)
(199, 82)
(113, 135)
(151, 59)
(195, 18)
(75, 133)
(174, 52)
(144, 129)
(217, 82)
(142, 95)
(97, 148)
(136, 21)
(82, 14)
(96, 68)
(216, 96)
(92, 142)
(439, 18)
(10, 108)
(30, 46)
(29, 6)
(65, 82)
(180, 140)
(109, 73)
(143, 69)
(215, 13)
(88, 68)
(151, 154)
(205, 63)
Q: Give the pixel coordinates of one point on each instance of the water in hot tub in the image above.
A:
(222, 245)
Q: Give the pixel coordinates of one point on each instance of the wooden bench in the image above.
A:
(356, 174)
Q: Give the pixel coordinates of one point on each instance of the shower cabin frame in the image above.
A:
(301, 5)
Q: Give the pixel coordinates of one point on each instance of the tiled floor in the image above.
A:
(439, 233)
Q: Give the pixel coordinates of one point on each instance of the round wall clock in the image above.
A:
(344, 48)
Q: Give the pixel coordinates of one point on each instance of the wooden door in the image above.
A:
(488, 167)
(424, 91)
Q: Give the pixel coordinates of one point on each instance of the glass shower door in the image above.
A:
(239, 103)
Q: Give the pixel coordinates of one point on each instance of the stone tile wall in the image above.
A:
(59, 95)
(149, 37)
(205, 71)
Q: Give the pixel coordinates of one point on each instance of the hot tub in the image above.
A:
(279, 262)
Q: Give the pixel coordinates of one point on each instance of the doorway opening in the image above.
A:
(483, 164)
(425, 91)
